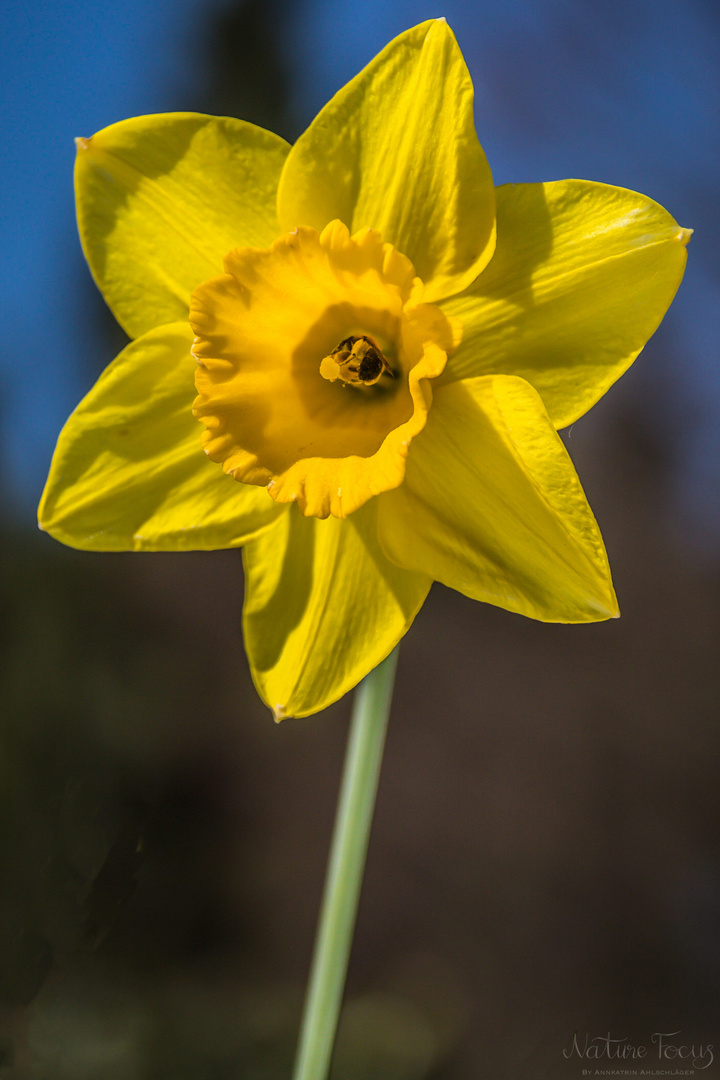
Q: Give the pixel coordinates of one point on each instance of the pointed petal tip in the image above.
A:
(279, 714)
(437, 25)
(82, 143)
(684, 235)
(611, 610)
(608, 607)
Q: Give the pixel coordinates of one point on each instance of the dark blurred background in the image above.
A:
(546, 852)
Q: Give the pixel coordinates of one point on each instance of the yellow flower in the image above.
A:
(362, 347)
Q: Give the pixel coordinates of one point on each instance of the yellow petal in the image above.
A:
(129, 472)
(396, 150)
(160, 199)
(492, 507)
(323, 607)
(581, 278)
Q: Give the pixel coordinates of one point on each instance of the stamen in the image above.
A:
(357, 361)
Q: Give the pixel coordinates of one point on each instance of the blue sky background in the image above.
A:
(623, 92)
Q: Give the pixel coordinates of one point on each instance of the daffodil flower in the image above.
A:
(367, 328)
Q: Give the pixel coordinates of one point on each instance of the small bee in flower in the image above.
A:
(357, 361)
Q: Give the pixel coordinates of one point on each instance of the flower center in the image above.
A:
(261, 330)
(356, 361)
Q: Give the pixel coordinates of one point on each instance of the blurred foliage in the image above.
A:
(246, 66)
(116, 920)
(60, 794)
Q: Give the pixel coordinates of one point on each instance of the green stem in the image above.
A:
(371, 709)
